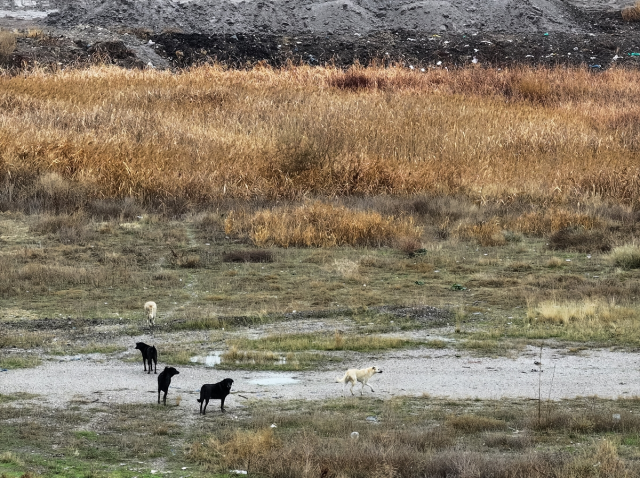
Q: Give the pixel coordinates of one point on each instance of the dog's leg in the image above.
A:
(206, 402)
(158, 397)
(144, 363)
(164, 398)
(222, 404)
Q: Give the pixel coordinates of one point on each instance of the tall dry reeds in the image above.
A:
(210, 134)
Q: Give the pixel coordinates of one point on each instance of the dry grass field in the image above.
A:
(209, 134)
(507, 199)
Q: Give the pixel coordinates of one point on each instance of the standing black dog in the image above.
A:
(213, 391)
(164, 380)
(149, 353)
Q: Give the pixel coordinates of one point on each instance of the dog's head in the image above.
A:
(376, 370)
(141, 345)
(227, 383)
(170, 371)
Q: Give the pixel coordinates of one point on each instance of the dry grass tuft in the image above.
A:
(318, 224)
(242, 450)
(486, 233)
(7, 43)
(585, 313)
(627, 256)
(631, 13)
(554, 262)
(11, 458)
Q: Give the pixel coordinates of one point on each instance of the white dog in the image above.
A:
(354, 375)
(151, 308)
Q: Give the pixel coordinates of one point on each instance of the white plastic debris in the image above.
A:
(151, 42)
(475, 60)
(273, 425)
(355, 435)
(238, 472)
(439, 63)
(616, 416)
(411, 67)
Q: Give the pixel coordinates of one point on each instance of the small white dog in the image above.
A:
(151, 308)
(354, 375)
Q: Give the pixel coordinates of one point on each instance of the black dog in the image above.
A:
(164, 380)
(214, 391)
(149, 353)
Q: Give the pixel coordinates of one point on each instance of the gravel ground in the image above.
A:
(444, 373)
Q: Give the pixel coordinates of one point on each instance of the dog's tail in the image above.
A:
(338, 379)
(199, 400)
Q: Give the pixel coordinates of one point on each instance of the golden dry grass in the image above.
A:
(584, 312)
(631, 13)
(7, 43)
(319, 225)
(208, 134)
(626, 256)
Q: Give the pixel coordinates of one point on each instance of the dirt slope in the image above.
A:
(313, 16)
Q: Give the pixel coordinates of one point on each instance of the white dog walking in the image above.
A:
(354, 375)
(151, 308)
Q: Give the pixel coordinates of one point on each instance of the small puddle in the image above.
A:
(279, 380)
(210, 360)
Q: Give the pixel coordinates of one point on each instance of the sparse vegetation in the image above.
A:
(19, 361)
(336, 341)
(7, 43)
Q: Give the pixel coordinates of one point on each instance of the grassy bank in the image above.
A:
(402, 437)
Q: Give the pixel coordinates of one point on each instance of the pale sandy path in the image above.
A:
(440, 374)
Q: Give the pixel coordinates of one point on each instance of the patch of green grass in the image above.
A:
(200, 323)
(91, 348)
(17, 396)
(235, 358)
(24, 339)
(324, 342)
(12, 362)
